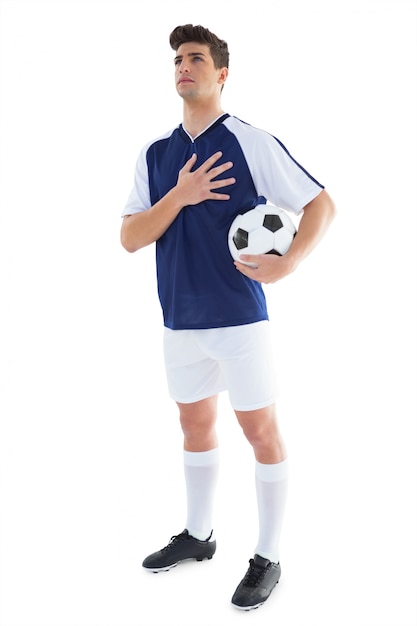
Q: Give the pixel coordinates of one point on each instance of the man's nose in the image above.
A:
(184, 67)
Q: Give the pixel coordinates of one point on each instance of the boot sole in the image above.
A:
(167, 568)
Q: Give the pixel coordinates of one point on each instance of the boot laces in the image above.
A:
(174, 541)
(255, 574)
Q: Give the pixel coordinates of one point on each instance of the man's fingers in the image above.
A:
(207, 166)
(219, 196)
(224, 182)
(216, 171)
(188, 164)
(211, 160)
(199, 184)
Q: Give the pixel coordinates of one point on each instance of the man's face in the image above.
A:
(195, 74)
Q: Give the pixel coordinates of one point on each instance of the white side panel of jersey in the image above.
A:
(275, 174)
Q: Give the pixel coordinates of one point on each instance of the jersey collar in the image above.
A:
(213, 124)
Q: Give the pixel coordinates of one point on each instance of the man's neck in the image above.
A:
(197, 119)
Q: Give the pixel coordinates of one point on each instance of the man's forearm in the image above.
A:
(317, 217)
(141, 229)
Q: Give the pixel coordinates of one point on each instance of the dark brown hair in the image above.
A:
(218, 48)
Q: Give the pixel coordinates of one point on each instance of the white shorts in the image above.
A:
(239, 359)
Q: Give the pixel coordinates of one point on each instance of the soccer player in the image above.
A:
(189, 185)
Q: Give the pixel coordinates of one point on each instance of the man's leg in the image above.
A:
(201, 462)
(271, 475)
(198, 423)
(260, 428)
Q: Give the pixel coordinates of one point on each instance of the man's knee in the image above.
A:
(259, 426)
(198, 419)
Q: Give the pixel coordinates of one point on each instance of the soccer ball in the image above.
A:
(265, 229)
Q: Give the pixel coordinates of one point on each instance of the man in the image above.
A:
(189, 185)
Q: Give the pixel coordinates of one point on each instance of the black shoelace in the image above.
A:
(254, 574)
(174, 540)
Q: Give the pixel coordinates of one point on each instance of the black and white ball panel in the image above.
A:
(265, 229)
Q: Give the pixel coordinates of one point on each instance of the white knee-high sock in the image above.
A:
(271, 492)
(201, 471)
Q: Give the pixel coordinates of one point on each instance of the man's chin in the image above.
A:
(187, 93)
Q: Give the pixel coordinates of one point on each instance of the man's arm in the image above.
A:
(141, 229)
(317, 217)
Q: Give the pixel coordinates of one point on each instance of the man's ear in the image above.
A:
(223, 74)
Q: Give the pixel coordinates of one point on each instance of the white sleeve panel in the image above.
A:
(139, 199)
(276, 175)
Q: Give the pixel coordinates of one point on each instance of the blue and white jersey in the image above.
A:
(198, 284)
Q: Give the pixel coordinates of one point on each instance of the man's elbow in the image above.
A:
(331, 207)
(126, 238)
(127, 241)
(127, 244)
(329, 203)
(326, 206)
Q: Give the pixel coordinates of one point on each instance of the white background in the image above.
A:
(90, 447)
